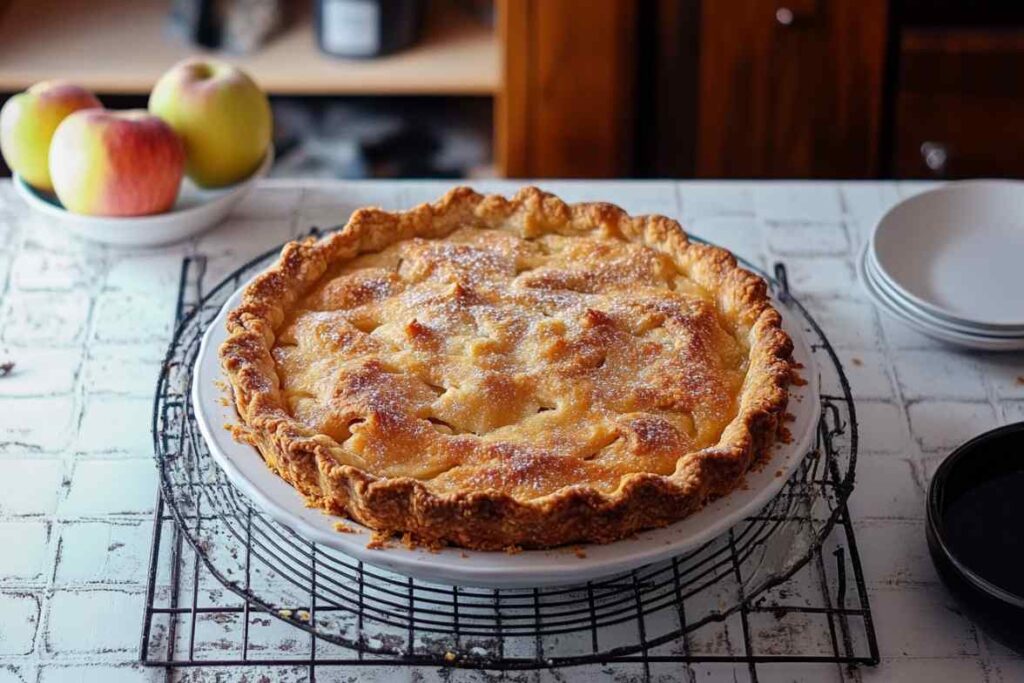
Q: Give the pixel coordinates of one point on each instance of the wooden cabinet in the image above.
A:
(605, 88)
(569, 72)
(959, 108)
(791, 88)
(835, 89)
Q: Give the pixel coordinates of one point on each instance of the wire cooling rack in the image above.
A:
(228, 586)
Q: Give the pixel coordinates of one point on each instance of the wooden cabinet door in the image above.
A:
(791, 88)
(960, 104)
(566, 108)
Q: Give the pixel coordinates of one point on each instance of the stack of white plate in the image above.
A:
(950, 264)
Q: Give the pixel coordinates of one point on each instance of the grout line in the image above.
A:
(79, 400)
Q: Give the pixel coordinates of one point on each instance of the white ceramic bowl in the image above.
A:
(195, 211)
(955, 252)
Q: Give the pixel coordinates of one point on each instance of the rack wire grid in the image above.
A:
(228, 586)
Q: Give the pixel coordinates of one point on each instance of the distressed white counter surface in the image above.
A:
(87, 327)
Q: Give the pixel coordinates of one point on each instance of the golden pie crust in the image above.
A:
(495, 373)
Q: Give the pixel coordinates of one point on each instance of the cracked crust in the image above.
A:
(377, 443)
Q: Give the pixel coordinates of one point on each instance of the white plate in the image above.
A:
(896, 298)
(956, 251)
(532, 568)
(194, 211)
(927, 327)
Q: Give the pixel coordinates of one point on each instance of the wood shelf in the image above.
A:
(123, 46)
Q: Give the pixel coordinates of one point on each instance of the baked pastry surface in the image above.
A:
(495, 372)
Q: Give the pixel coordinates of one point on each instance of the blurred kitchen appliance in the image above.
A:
(367, 28)
(238, 26)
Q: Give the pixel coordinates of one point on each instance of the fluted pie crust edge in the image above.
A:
(490, 519)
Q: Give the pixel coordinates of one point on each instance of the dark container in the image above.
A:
(366, 28)
(976, 532)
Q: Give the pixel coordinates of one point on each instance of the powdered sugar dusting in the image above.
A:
(512, 364)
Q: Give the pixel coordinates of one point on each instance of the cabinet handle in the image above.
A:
(935, 156)
(796, 11)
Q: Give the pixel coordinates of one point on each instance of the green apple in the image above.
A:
(116, 163)
(222, 116)
(27, 123)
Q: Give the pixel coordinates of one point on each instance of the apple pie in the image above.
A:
(493, 373)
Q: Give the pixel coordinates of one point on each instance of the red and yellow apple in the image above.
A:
(27, 123)
(222, 116)
(116, 163)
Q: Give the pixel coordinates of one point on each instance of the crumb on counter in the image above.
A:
(286, 613)
(302, 615)
(579, 551)
(857, 361)
(449, 656)
(6, 368)
(344, 528)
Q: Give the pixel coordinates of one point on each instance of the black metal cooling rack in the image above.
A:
(230, 587)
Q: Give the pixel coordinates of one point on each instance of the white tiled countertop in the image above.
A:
(87, 327)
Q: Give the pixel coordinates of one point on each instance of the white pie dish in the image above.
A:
(246, 470)
(196, 210)
(956, 251)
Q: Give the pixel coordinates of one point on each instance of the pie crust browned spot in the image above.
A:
(493, 372)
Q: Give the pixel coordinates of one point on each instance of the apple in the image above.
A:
(27, 123)
(116, 163)
(222, 116)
